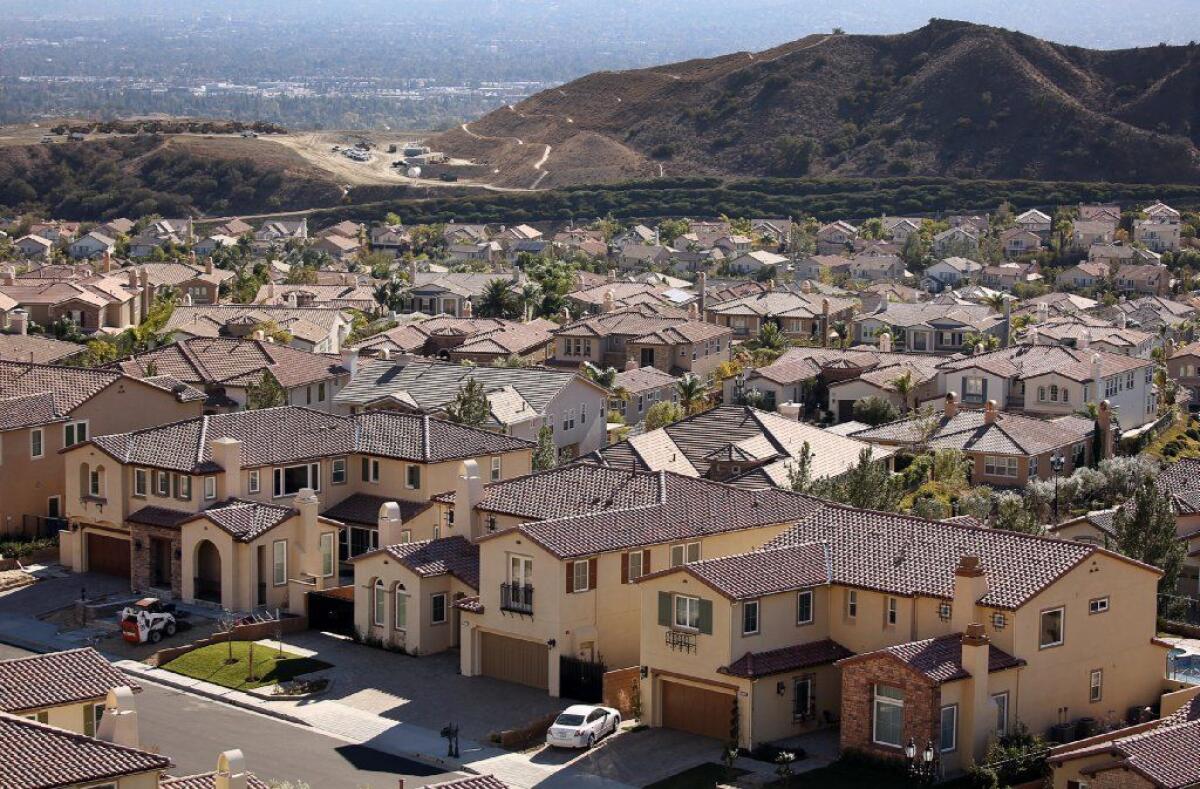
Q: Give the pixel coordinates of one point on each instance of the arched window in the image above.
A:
(380, 602)
(1054, 393)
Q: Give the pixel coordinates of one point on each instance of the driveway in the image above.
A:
(424, 691)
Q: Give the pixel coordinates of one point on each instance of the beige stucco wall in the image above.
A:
(421, 636)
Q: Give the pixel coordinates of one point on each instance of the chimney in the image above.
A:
(133, 278)
(391, 525)
(970, 584)
(412, 272)
(350, 360)
(187, 299)
(231, 770)
(806, 286)
(208, 265)
(978, 712)
(227, 453)
(885, 342)
(8, 276)
(106, 262)
(702, 287)
(951, 405)
(989, 412)
(119, 724)
(347, 280)
(612, 275)
(1168, 348)
(1043, 312)
(790, 411)
(1121, 319)
(631, 364)
(610, 301)
(467, 495)
(468, 309)
(565, 314)
(292, 300)
(826, 331)
(147, 292)
(19, 321)
(693, 313)
(271, 289)
(192, 258)
(1104, 425)
(1098, 375)
(1008, 323)
(770, 285)
(385, 354)
(978, 349)
(1085, 339)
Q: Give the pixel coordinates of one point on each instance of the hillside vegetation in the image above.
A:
(950, 99)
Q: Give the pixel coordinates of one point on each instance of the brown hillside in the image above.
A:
(951, 98)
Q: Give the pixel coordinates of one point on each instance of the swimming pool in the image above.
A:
(1183, 665)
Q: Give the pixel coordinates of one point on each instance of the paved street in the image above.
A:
(192, 731)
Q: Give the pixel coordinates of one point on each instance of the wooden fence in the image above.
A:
(621, 690)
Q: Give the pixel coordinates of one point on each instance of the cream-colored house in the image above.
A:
(138, 502)
(896, 628)
(63, 689)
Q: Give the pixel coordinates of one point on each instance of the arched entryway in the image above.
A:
(208, 572)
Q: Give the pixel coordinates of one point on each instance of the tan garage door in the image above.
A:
(514, 660)
(108, 555)
(708, 713)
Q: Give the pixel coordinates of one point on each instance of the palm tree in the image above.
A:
(693, 395)
(770, 338)
(496, 300)
(390, 295)
(905, 385)
(996, 301)
(603, 376)
(531, 297)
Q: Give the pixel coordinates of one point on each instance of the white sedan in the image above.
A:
(581, 725)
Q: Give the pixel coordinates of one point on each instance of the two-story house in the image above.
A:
(64, 689)
(798, 314)
(928, 327)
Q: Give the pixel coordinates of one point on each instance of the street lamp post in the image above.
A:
(922, 766)
(1057, 461)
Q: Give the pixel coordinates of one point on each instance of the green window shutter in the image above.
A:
(664, 609)
(706, 617)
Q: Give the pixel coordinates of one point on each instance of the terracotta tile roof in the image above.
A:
(940, 659)
(792, 658)
(688, 509)
(1009, 434)
(290, 434)
(471, 782)
(782, 304)
(643, 379)
(37, 756)
(36, 349)
(1028, 361)
(312, 324)
(470, 604)
(363, 508)
(518, 338)
(907, 556)
(575, 489)
(27, 410)
(164, 517)
(245, 520)
(71, 386)
(207, 781)
(70, 677)
(446, 556)
(237, 362)
(1166, 755)
(758, 573)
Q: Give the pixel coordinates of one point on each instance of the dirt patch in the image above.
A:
(15, 579)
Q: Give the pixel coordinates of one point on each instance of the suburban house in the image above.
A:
(1006, 276)
(210, 244)
(753, 262)
(1017, 242)
(594, 299)
(315, 329)
(898, 629)
(739, 445)
(673, 344)
(1005, 450)
(105, 303)
(226, 369)
(1153, 280)
(46, 408)
(521, 399)
(93, 244)
(1086, 274)
(277, 232)
(1053, 380)
(34, 246)
(962, 241)
(952, 271)
(348, 294)
(480, 339)
(836, 237)
(35, 348)
(1036, 221)
(435, 293)
(1158, 236)
(201, 284)
(1183, 367)
(66, 689)
(798, 314)
(639, 388)
(219, 508)
(1083, 331)
(928, 327)
(899, 228)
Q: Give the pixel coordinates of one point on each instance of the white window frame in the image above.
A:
(71, 432)
(808, 681)
(496, 469)
(683, 553)
(1098, 605)
(690, 608)
(338, 468)
(95, 482)
(379, 603)
(747, 607)
(255, 485)
(37, 443)
(640, 558)
(141, 483)
(1095, 685)
(400, 618)
(408, 476)
(575, 576)
(372, 470)
(210, 488)
(851, 603)
(279, 562)
(876, 701)
(328, 550)
(433, 619)
(279, 478)
(1001, 702)
(162, 484)
(801, 595)
(1062, 627)
(892, 612)
(953, 710)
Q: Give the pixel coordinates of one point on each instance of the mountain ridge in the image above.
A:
(949, 99)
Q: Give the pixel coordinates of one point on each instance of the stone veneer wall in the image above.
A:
(140, 566)
(922, 700)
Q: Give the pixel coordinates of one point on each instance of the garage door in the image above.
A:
(108, 555)
(514, 660)
(708, 713)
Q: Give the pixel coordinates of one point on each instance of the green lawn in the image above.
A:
(702, 776)
(208, 663)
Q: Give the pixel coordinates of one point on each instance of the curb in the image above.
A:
(157, 677)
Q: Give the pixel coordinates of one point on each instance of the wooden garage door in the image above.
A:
(108, 555)
(697, 710)
(514, 660)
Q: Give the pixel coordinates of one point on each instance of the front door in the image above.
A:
(261, 575)
(160, 562)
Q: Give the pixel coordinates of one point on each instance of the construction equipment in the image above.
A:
(148, 620)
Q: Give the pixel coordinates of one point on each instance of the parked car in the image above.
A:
(582, 725)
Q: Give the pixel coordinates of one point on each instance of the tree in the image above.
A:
(531, 300)
(800, 470)
(604, 376)
(671, 229)
(267, 393)
(496, 300)
(470, 405)
(1145, 531)
(693, 394)
(770, 338)
(794, 155)
(1012, 515)
(874, 411)
(867, 485)
(905, 384)
(545, 454)
(390, 295)
(663, 413)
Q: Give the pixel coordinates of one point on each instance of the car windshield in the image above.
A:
(569, 720)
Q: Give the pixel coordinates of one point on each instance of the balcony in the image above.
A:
(681, 640)
(517, 598)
